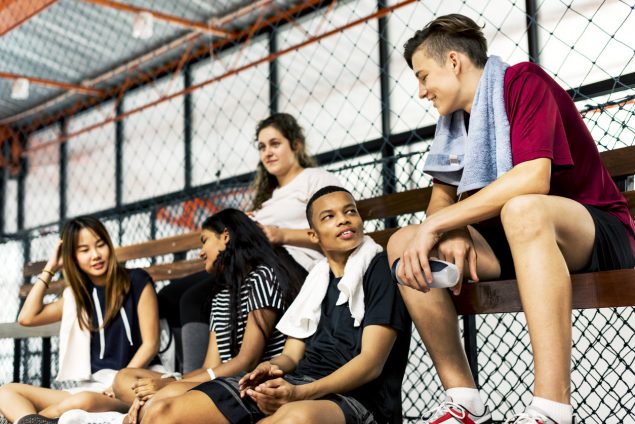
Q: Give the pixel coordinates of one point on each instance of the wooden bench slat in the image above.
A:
(591, 290)
(395, 204)
(175, 270)
(381, 237)
(55, 287)
(165, 246)
(147, 249)
(620, 162)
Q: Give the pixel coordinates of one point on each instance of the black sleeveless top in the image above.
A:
(115, 345)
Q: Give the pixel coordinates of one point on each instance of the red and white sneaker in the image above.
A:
(453, 413)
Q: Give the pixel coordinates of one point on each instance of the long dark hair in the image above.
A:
(264, 182)
(248, 247)
(117, 279)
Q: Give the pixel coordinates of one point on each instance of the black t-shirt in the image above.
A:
(117, 349)
(336, 340)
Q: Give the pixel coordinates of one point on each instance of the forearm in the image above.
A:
(146, 352)
(488, 202)
(354, 374)
(33, 304)
(298, 238)
(198, 376)
(284, 362)
(234, 366)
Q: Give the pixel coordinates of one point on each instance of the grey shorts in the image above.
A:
(226, 396)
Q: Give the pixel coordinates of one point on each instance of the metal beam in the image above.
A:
(274, 88)
(14, 13)
(531, 14)
(171, 19)
(55, 84)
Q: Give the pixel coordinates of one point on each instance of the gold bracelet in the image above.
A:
(44, 281)
(49, 272)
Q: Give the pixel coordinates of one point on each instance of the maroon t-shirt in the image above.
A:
(544, 123)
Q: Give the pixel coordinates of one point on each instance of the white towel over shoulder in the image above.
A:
(302, 317)
(74, 355)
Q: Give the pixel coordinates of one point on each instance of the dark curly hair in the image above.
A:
(449, 32)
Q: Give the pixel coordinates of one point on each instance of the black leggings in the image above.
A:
(186, 300)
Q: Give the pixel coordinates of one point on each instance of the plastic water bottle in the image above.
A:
(444, 274)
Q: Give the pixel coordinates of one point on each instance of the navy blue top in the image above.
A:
(117, 349)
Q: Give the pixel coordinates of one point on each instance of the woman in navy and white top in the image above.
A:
(109, 321)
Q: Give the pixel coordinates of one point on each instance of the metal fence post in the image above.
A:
(274, 90)
(387, 149)
(531, 13)
(469, 342)
(187, 125)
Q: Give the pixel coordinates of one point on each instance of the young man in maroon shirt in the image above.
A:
(554, 211)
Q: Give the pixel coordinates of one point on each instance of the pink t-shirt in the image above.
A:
(544, 123)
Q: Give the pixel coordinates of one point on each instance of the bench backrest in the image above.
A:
(486, 298)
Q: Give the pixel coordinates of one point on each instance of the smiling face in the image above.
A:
(438, 83)
(336, 224)
(276, 154)
(92, 254)
(213, 244)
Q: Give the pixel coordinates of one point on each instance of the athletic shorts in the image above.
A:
(226, 396)
(611, 248)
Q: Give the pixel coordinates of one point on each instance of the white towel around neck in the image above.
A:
(302, 317)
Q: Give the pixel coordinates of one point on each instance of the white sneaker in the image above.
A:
(78, 416)
(532, 415)
(453, 413)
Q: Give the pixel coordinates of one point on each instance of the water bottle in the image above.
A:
(444, 274)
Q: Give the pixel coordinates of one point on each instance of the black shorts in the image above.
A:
(226, 396)
(611, 248)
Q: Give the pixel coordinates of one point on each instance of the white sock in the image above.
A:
(561, 413)
(467, 397)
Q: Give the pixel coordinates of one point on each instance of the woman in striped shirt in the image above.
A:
(253, 283)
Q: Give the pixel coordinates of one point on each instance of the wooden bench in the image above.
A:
(590, 290)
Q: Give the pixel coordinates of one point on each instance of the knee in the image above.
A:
(524, 218)
(5, 391)
(290, 414)
(123, 381)
(160, 411)
(396, 243)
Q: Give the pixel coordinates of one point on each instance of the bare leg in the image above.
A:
(125, 378)
(435, 317)
(171, 390)
(548, 236)
(307, 412)
(192, 407)
(18, 400)
(87, 401)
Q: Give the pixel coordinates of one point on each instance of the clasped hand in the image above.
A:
(267, 388)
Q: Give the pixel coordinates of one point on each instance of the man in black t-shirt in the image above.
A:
(350, 367)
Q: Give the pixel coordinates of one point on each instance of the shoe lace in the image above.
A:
(454, 409)
(525, 418)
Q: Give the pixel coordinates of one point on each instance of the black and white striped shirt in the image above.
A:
(260, 289)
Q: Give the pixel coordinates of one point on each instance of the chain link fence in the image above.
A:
(166, 138)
